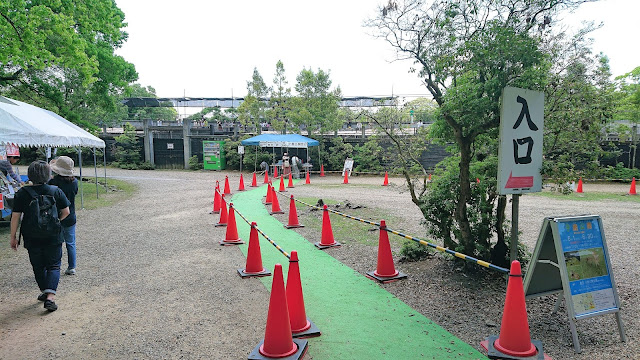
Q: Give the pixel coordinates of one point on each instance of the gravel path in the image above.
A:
(154, 283)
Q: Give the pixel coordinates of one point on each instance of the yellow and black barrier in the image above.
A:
(423, 242)
(265, 236)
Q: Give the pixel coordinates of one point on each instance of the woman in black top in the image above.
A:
(62, 167)
(45, 252)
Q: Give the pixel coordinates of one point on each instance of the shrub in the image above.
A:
(194, 164)
(414, 251)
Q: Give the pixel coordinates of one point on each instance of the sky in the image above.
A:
(210, 48)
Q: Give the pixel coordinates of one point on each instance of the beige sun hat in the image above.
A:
(62, 166)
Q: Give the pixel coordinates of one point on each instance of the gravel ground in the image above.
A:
(154, 283)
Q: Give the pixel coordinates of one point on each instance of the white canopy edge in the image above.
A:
(27, 125)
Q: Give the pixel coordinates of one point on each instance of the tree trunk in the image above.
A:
(464, 196)
(500, 249)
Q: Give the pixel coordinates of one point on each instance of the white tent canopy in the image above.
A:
(27, 125)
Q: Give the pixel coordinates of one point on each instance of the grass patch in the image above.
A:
(116, 191)
(347, 230)
(593, 196)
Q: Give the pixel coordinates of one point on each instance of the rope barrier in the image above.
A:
(423, 242)
(265, 236)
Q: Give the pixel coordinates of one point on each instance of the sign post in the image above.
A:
(571, 258)
(520, 151)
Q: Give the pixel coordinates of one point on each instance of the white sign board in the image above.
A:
(348, 166)
(240, 149)
(521, 134)
(290, 144)
(169, 146)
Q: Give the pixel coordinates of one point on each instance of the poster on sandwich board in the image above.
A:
(571, 259)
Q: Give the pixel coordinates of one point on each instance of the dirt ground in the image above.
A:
(153, 282)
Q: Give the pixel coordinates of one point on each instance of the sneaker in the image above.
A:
(50, 305)
(42, 297)
(70, 271)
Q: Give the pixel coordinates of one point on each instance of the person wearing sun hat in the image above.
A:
(62, 167)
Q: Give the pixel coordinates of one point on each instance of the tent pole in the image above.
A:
(255, 163)
(104, 153)
(81, 187)
(95, 168)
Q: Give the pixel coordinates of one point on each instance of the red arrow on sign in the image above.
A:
(517, 182)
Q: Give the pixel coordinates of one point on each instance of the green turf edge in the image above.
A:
(358, 318)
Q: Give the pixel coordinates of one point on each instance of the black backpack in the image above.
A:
(40, 220)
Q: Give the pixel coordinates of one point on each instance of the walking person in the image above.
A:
(62, 167)
(41, 229)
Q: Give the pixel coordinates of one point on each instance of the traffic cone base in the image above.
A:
(311, 331)
(301, 350)
(243, 274)
(494, 353)
(322, 246)
(231, 242)
(386, 279)
(293, 226)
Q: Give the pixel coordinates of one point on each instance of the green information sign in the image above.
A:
(571, 258)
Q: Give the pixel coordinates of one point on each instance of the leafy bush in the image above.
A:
(194, 164)
(127, 146)
(414, 251)
(146, 166)
(368, 157)
(619, 172)
(336, 151)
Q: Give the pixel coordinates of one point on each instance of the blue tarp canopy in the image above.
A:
(285, 141)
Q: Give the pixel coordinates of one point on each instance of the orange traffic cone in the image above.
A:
(282, 184)
(386, 271)
(429, 177)
(477, 180)
(514, 341)
(275, 172)
(307, 180)
(253, 267)
(326, 240)
(632, 189)
(241, 185)
(293, 215)
(266, 177)
(275, 204)
(322, 170)
(346, 177)
(386, 179)
(290, 183)
(227, 189)
(301, 326)
(579, 191)
(254, 181)
(223, 212)
(268, 199)
(216, 200)
(278, 342)
(231, 237)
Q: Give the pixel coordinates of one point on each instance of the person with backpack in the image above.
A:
(41, 207)
(63, 178)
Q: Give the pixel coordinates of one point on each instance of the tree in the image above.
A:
(60, 56)
(279, 103)
(466, 52)
(630, 108)
(252, 110)
(316, 106)
(165, 112)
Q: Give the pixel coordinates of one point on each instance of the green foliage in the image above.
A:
(232, 157)
(414, 251)
(194, 164)
(619, 172)
(337, 151)
(61, 56)
(279, 102)
(368, 157)
(316, 106)
(127, 147)
(252, 111)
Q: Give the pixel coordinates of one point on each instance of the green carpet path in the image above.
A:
(358, 318)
